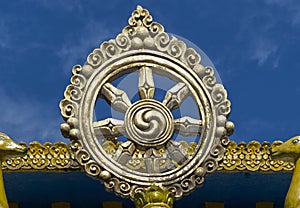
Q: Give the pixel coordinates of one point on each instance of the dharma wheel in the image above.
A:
(146, 141)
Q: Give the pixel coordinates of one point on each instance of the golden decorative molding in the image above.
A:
(253, 156)
(47, 157)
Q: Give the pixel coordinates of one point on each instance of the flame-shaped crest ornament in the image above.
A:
(151, 143)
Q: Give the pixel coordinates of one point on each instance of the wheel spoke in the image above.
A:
(117, 98)
(146, 83)
(177, 152)
(153, 160)
(175, 96)
(187, 126)
(124, 152)
(109, 127)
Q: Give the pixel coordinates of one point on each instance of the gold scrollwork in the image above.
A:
(42, 157)
(253, 156)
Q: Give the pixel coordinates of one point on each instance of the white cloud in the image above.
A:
(296, 19)
(262, 49)
(87, 38)
(279, 2)
(27, 120)
(4, 35)
(292, 8)
(67, 5)
(10, 38)
(257, 34)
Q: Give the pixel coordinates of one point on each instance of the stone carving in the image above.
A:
(8, 148)
(290, 151)
(149, 154)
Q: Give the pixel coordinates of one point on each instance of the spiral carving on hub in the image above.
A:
(149, 123)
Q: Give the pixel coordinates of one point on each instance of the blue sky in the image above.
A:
(254, 46)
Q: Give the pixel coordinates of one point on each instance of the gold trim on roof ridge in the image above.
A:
(254, 156)
(46, 157)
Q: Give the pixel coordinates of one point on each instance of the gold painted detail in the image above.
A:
(61, 205)
(264, 204)
(42, 157)
(214, 204)
(253, 156)
(153, 197)
(112, 204)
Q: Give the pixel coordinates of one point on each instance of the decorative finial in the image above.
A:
(140, 17)
(154, 197)
(142, 28)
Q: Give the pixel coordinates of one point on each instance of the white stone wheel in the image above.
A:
(149, 154)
